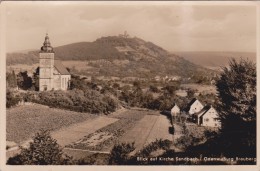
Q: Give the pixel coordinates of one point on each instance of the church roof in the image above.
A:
(61, 68)
(47, 45)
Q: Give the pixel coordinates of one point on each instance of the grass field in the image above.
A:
(24, 121)
(147, 130)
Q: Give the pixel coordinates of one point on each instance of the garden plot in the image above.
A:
(105, 138)
(140, 132)
(24, 121)
(96, 138)
(75, 132)
(160, 130)
(147, 130)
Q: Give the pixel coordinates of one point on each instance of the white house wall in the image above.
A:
(175, 110)
(210, 118)
(195, 107)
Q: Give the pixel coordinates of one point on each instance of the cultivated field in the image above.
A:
(85, 134)
(75, 132)
(147, 130)
(24, 121)
(105, 138)
(160, 130)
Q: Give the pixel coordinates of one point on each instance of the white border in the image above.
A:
(5, 167)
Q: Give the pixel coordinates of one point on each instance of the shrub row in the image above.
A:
(76, 100)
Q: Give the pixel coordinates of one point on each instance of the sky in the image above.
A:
(172, 26)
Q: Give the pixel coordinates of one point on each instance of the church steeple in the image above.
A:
(47, 45)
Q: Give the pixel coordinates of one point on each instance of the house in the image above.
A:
(175, 110)
(194, 106)
(52, 74)
(208, 116)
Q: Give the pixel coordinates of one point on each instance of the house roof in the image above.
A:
(61, 68)
(203, 111)
(189, 105)
(175, 105)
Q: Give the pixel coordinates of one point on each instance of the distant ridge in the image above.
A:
(215, 59)
(119, 56)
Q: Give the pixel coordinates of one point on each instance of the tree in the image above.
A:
(35, 79)
(11, 80)
(153, 89)
(11, 99)
(44, 150)
(190, 93)
(120, 153)
(237, 106)
(24, 81)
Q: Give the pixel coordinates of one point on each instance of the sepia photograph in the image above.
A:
(130, 83)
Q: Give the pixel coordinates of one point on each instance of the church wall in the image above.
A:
(65, 79)
(45, 84)
(57, 82)
(46, 69)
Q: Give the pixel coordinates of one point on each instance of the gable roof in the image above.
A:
(61, 68)
(189, 105)
(175, 105)
(203, 111)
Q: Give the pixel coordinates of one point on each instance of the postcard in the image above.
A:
(134, 84)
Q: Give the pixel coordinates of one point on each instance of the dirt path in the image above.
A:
(75, 132)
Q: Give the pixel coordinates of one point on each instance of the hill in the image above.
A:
(215, 60)
(119, 56)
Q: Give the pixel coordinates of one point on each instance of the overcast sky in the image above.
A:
(173, 27)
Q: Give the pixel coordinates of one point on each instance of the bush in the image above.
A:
(44, 150)
(187, 139)
(76, 100)
(11, 99)
(120, 153)
(153, 146)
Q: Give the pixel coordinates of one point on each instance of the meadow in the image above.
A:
(22, 122)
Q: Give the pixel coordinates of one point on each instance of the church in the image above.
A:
(52, 74)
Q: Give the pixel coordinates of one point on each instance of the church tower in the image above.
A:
(46, 57)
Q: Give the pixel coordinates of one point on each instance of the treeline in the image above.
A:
(139, 94)
(76, 100)
(135, 95)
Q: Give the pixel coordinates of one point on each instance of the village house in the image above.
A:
(175, 110)
(194, 106)
(208, 116)
(52, 74)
